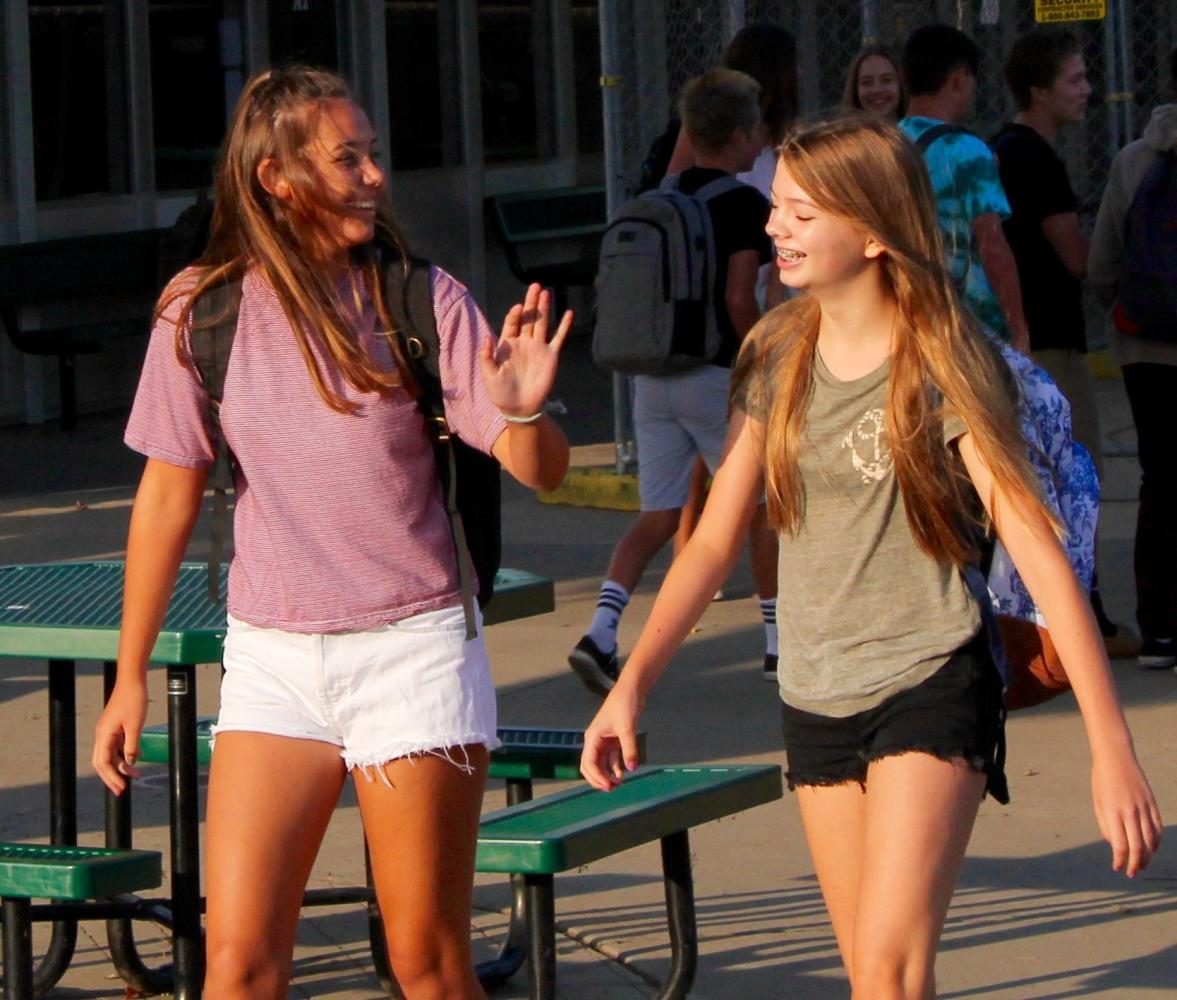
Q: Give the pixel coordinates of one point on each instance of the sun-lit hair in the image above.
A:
(864, 171)
(850, 98)
(277, 117)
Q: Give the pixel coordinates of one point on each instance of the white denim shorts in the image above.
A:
(413, 687)
(675, 418)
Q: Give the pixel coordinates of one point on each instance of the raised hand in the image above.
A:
(520, 369)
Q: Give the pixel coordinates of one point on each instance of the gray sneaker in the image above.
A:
(598, 670)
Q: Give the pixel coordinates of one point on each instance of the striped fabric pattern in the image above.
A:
(339, 522)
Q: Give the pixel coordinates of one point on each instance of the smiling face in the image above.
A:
(815, 250)
(877, 86)
(1065, 100)
(346, 182)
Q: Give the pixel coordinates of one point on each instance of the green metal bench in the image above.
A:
(60, 873)
(545, 836)
(573, 216)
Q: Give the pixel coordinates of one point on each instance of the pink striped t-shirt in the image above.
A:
(339, 522)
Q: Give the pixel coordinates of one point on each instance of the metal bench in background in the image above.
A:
(553, 236)
(114, 276)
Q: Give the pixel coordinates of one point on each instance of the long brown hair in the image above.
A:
(850, 99)
(768, 54)
(866, 172)
(276, 117)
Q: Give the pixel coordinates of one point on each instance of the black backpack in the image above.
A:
(469, 478)
(1147, 299)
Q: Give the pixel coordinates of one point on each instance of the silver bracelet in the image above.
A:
(523, 420)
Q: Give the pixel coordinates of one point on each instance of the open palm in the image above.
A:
(520, 369)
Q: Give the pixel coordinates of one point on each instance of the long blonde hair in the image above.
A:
(866, 172)
(276, 117)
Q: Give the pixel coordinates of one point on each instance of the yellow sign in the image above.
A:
(1056, 11)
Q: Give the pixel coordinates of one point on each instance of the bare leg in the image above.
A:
(696, 496)
(919, 817)
(644, 539)
(269, 801)
(422, 830)
(834, 818)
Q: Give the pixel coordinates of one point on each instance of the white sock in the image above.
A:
(611, 602)
(768, 613)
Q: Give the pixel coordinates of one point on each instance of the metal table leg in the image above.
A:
(18, 950)
(187, 943)
(541, 928)
(513, 951)
(120, 934)
(63, 808)
(680, 916)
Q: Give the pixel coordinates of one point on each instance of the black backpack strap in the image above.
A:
(410, 304)
(930, 135)
(213, 327)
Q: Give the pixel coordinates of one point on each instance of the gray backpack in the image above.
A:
(655, 314)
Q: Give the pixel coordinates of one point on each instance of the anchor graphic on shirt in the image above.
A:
(868, 447)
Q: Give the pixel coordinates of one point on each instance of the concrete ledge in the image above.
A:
(595, 486)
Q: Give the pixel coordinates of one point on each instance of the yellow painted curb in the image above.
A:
(1101, 365)
(595, 486)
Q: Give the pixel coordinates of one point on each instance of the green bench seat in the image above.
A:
(39, 871)
(543, 837)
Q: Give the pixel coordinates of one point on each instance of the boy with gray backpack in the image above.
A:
(676, 295)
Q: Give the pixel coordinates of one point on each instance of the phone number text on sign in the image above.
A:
(1055, 11)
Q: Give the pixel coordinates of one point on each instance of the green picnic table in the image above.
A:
(71, 611)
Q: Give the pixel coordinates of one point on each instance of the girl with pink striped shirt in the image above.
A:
(347, 645)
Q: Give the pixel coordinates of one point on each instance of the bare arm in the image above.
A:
(1068, 241)
(610, 746)
(1002, 271)
(1125, 809)
(166, 507)
(743, 268)
(535, 454)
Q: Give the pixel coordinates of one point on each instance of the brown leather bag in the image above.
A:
(1036, 673)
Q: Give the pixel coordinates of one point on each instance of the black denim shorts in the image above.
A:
(956, 714)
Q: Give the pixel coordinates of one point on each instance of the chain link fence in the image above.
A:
(658, 45)
(650, 48)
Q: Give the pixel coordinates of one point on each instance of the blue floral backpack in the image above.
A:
(1067, 476)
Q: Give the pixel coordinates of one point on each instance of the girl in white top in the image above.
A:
(854, 226)
(347, 647)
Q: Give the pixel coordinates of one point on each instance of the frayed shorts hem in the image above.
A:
(995, 783)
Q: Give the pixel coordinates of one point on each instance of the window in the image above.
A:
(424, 94)
(586, 54)
(304, 31)
(79, 98)
(515, 48)
(196, 72)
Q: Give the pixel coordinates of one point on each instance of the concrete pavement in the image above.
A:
(1038, 913)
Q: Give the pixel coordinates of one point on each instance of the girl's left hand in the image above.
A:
(1126, 811)
(520, 369)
